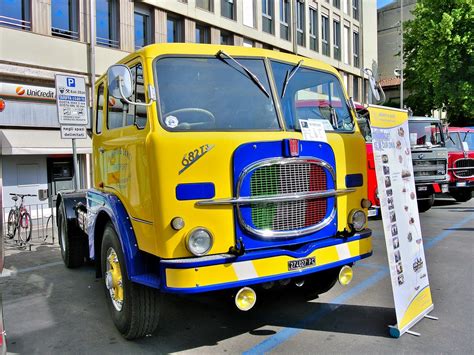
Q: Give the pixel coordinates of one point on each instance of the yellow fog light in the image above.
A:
(245, 299)
(345, 275)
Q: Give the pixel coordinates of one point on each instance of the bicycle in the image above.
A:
(19, 220)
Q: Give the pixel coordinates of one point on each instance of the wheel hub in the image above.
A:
(113, 279)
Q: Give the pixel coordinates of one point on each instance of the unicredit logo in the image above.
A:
(20, 90)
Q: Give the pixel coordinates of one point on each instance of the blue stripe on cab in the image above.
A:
(195, 191)
(354, 180)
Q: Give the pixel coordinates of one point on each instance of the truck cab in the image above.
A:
(203, 181)
(430, 159)
(460, 145)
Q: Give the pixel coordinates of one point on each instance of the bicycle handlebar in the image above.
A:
(22, 195)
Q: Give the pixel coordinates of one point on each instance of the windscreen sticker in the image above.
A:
(191, 157)
(171, 121)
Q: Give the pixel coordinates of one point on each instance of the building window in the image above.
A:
(267, 15)
(64, 18)
(300, 22)
(228, 9)
(336, 39)
(313, 29)
(355, 88)
(355, 9)
(205, 5)
(142, 28)
(248, 15)
(202, 34)
(355, 49)
(325, 34)
(227, 38)
(16, 14)
(336, 3)
(347, 44)
(346, 5)
(285, 19)
(107, 18)
(174, 29)
(247, 42)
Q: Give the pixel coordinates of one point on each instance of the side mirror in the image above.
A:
(119, 79)
(375, 87)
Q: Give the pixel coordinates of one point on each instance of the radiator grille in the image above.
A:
(429, 168)
(291, 178)
(468, 164)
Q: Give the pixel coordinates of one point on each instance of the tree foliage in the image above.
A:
(439, 59)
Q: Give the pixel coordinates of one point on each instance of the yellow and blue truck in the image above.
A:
(203, 181)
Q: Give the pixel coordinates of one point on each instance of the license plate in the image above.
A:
(301, 263)
(444, 188)
(372, 213)
(461, 184)
(422, 188)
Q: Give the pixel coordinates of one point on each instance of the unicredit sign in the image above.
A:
(27, 92)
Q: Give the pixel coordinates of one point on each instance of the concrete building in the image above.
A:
(389, 47)
(39, 38)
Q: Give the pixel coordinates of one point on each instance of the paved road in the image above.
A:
(50, 309)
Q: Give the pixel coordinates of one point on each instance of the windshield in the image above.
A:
(425, 133)
(213, 94)
(469, 139)
(312, 94)
(453, 143)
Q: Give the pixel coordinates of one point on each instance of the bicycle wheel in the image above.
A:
(12, 223)
(25, 227)
(48, 224)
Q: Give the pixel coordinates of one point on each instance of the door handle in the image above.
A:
(101, 150)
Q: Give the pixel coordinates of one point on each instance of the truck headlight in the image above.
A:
(357, 219)
(199, 241)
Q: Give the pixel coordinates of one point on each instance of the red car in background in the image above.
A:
(460, 144)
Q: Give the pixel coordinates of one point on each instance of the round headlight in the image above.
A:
(199, 241)
(177, 223)
(357, 219)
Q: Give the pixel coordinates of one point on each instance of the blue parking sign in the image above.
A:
(71, 82)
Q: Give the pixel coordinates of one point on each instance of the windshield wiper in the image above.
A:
(252, 76)
(289, 75)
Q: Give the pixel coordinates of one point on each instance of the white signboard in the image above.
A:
(20, 91)
(313, 130)
(397, 194)
(71, 100)
(73, 132)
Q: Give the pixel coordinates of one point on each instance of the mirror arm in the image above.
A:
(131, 102)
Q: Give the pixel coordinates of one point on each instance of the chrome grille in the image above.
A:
(434, 167)
(274, 180)
(464, 168)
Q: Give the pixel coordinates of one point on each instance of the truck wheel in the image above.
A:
(318, 283)
(72, 247)
(461, 195)
(425, 205)
(134, 307)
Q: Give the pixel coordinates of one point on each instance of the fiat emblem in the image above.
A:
(421, 156)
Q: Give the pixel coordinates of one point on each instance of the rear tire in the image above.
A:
(425, 205)
(135, 309)
(25, 230)
(72, 247)
(461, 195)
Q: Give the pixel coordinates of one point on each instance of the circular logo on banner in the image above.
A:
(20, 90)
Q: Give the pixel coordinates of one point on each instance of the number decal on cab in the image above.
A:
(191, 157)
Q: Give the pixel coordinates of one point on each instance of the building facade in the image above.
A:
(39, 38)
(389, 47)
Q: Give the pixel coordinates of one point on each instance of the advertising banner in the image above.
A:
(397, 194)
(31, 92)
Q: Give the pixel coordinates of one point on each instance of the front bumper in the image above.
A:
(218, 272)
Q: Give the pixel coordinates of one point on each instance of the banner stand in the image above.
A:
(396, 333)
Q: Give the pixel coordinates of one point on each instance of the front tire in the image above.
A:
(11, 225)
(134, 308)
(25, 230)
(461, 195)
(426, 204)
(72, 247)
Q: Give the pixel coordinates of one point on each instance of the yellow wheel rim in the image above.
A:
(113, 279)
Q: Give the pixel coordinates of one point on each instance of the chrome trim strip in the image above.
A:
(279, 198)
(141, 220)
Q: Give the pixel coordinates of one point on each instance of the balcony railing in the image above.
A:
(107, 42)
(61, 32)
(15, 23)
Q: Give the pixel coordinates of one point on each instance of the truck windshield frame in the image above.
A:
(205, 93)
(312, 94)
(417, 138)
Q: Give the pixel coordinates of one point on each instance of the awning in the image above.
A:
(39, 142)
